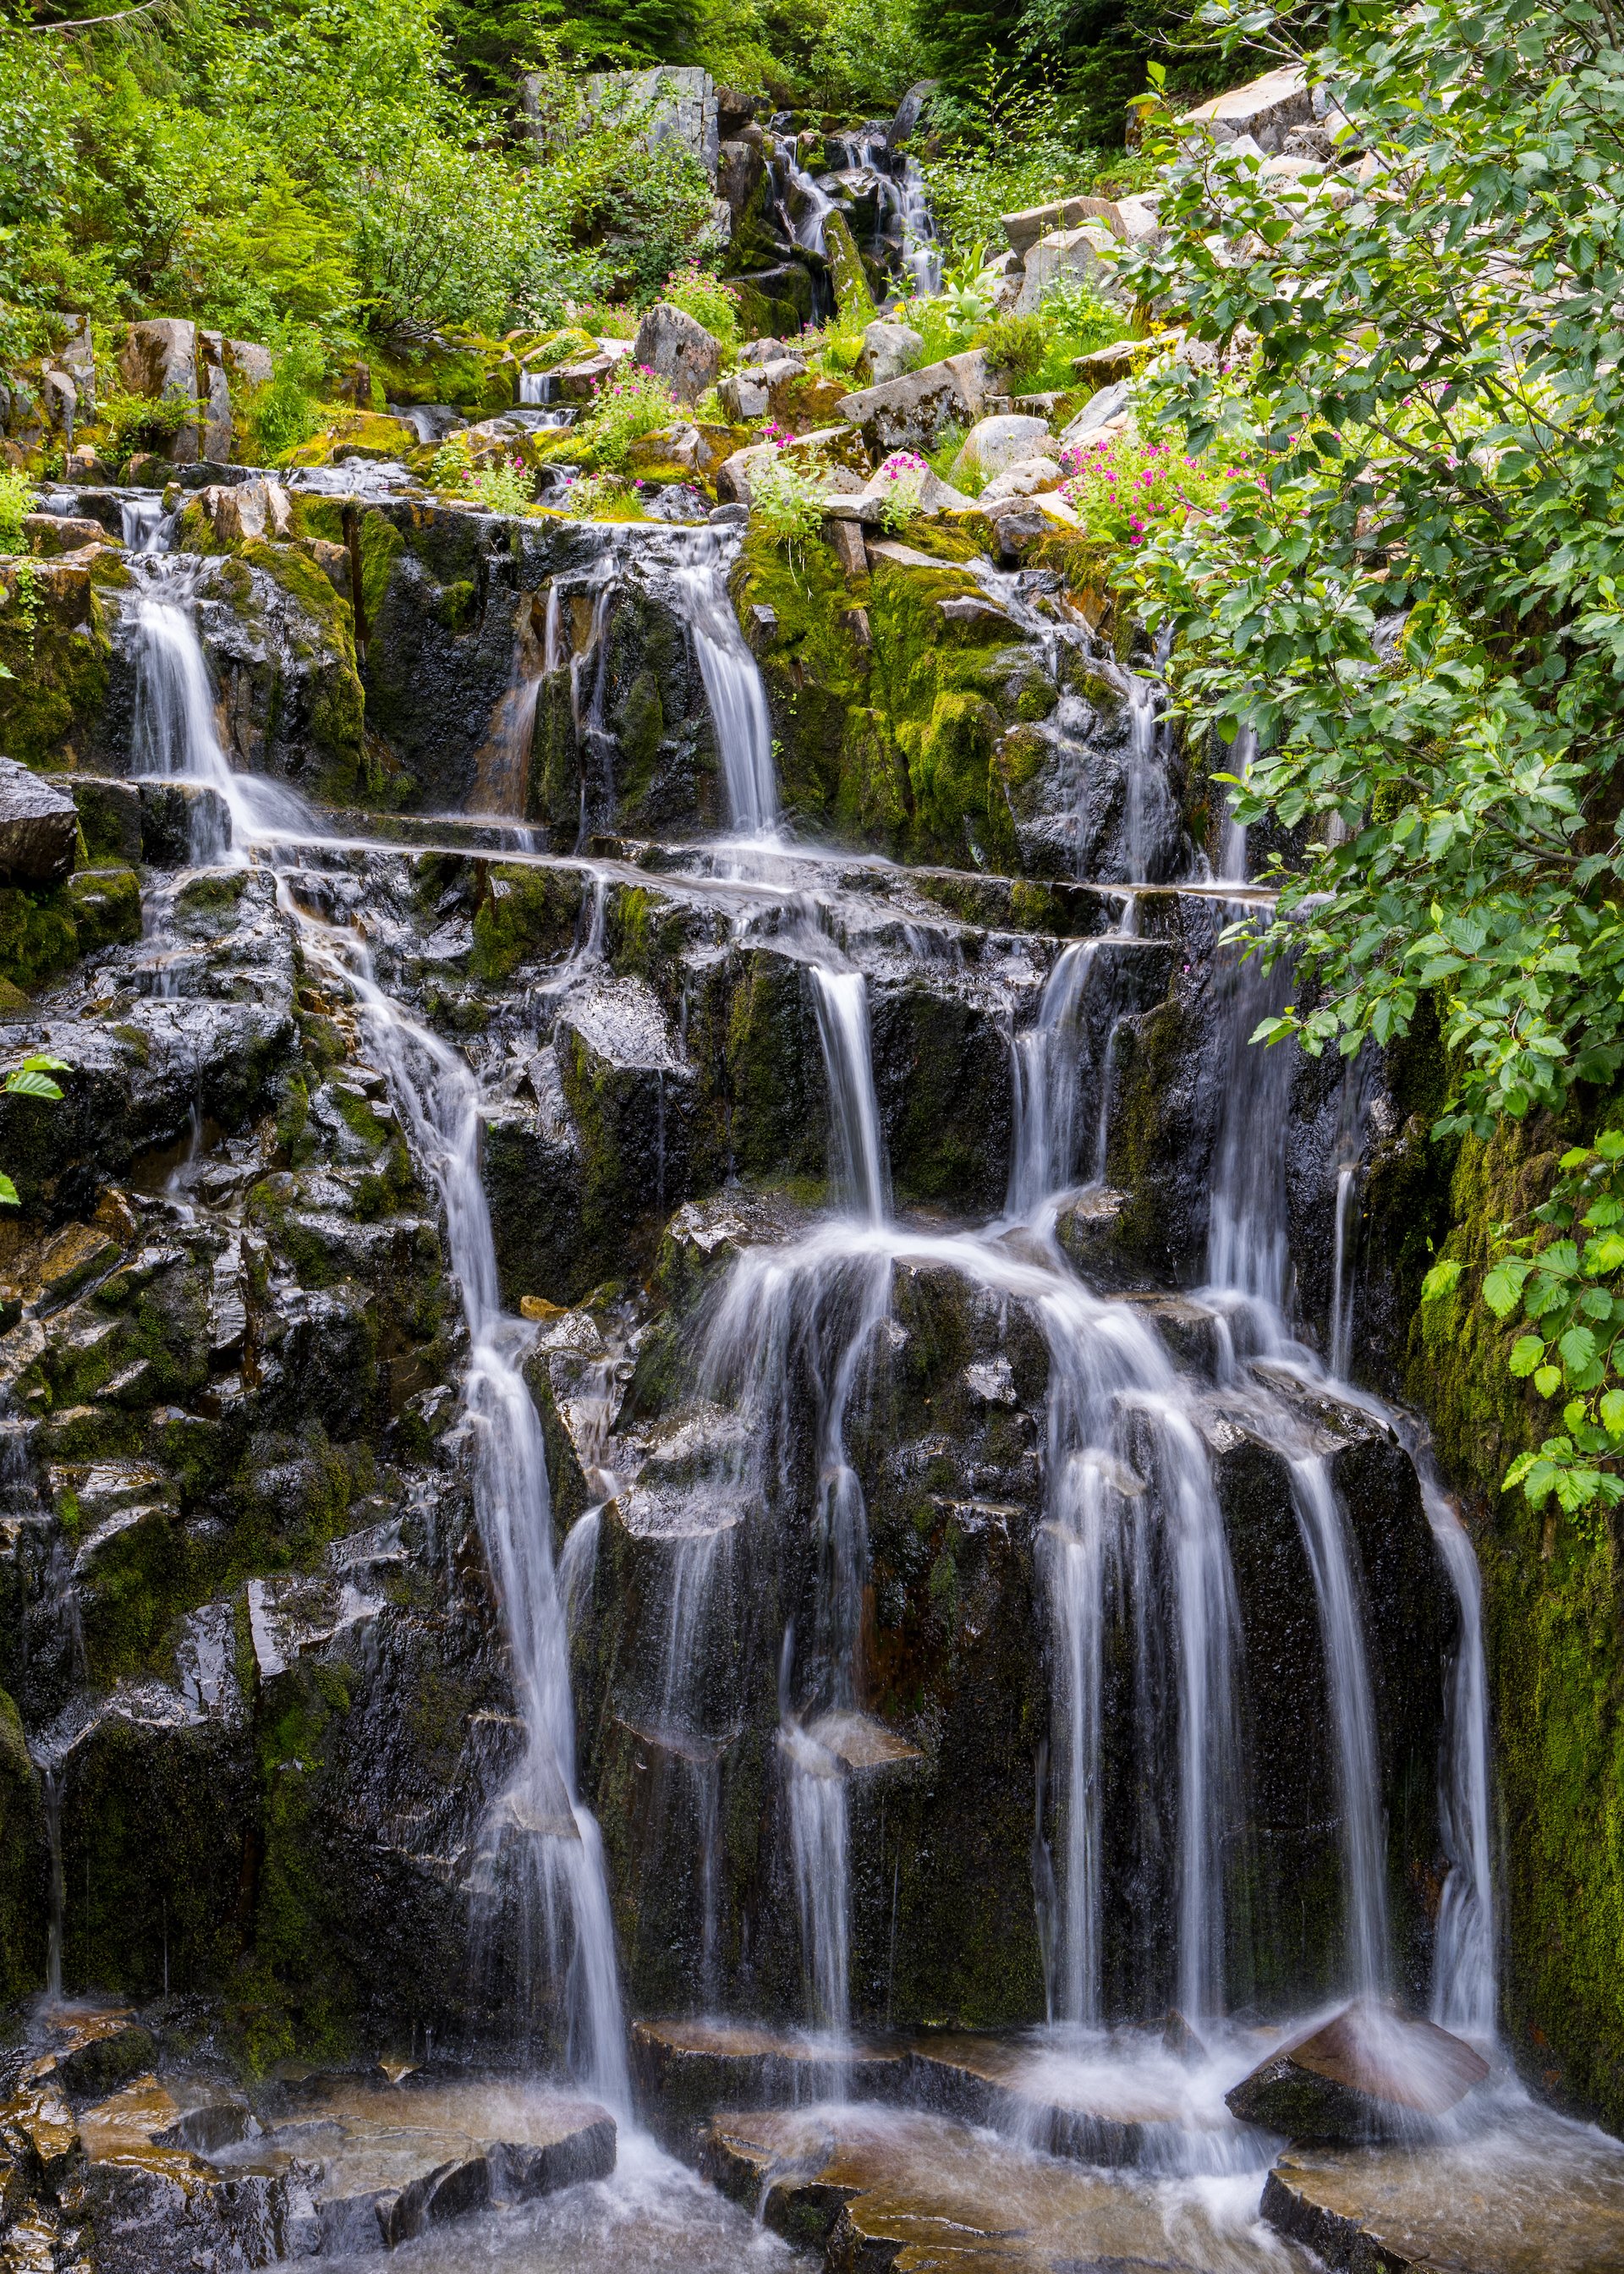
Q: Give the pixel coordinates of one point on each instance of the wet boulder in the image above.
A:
(1366, 2074)
(39, 828)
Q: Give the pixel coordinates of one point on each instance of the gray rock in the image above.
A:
(671, 343)
(1265, 108)
(910, 109)
(39, 828)
(247, 361)
(745, 397)
(909, 413)
(1110, 402)
(992, 444)
(889, 350)
(679, 105)
(77, 358)
(160, 360)
(60, 398)
(1026, 227)
(1066, 252)
(1025, 478)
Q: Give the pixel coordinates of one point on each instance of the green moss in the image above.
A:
(338, 716)
(54, 658)
(381, 545)
(107, 907)
(525, 912)
(38, 935)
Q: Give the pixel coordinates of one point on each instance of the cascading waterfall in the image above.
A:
(733, 690)
(539, 1817)
(1326, 1539)
(1465, 1974)
(1043, 1153)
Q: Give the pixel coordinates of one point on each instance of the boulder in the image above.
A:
(744, 395)
(992, 444)
(1267, 108)
(247, 361)
(256, 508)
(52, 533)
(60, 397)
(909, 110)
(1101, 409)
(77, 358)
(1073, 252)
(1024, 228)
(159, 361)
(909, 413)
(671, 343)
(888, 351)
(39, 828)
(1023, 480)
(1363, 2074)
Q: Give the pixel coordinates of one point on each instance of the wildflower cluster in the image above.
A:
(601, 497)
(1121, 488)
(903, 475)
(504, 487)
(631, 402)
(786, 496)
(706, 298)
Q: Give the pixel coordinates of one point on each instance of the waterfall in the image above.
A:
(1342, 1274)
(540, 1815)
(1323, 1527)
(1465, 1979)
(1232, 851)
(921, 254)
(842, 1001)
(174, 733)
(733, 690)
(1249, 1253)
(1044, 1065)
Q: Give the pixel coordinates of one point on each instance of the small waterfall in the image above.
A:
(1232, 853)
(921, 255)
(175, 731)
(842, 1001)
(816, 206)
(1045, 1067)
(1465, 1973)
(1323, 1530)
(734, 691)
(534, 387)
(565, 1898)
(1249, 1253)
(1341, 1271)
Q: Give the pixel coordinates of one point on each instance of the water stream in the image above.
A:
(1132, 1552)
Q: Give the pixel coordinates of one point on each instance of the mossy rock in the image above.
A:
(55, 652)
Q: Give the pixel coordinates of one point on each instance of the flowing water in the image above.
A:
(1134, 1552)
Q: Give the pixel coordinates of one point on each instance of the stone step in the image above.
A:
(882, 2187)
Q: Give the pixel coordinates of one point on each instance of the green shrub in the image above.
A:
(16, 500)
(786, 497)
(501, 488)
(1016, 345)
(281, 414)
(706, 298)
(631, 403)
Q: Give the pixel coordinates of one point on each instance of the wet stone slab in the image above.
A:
(1530, 2195)
(889, 2189)
(685, 2071)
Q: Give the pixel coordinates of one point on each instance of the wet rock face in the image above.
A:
(234, 1542)
(38, 829)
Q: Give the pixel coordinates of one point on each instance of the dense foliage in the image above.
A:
(1409, 588)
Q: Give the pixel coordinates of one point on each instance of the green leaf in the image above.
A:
(27, 1082)
(1612, 1411)
(8, 1191)
(1578, 1348)
(1500, 1289)
(1548, 1381)
(1527, 1353)
(1442, 1279)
